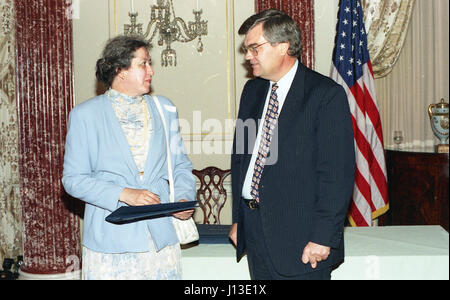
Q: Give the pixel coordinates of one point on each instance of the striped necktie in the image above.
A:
(270, 120)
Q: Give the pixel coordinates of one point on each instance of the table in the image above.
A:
(418, 187)
(385, 252)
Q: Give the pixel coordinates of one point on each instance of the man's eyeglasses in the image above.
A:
(252, 48)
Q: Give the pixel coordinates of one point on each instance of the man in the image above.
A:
(292, 183)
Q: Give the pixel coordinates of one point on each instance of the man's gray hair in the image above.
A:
(278, 27)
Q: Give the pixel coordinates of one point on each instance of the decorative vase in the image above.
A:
(438, 114)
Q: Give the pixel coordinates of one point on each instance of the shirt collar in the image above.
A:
(284, 84)
(117, 97)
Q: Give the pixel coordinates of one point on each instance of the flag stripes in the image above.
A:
(353, 70)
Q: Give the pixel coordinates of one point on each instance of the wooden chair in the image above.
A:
(211, 194)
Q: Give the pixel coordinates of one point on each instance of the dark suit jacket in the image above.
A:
(306, 193)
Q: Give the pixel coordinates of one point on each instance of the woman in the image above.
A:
(115, 155)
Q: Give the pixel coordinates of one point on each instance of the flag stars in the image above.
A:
(351, 42)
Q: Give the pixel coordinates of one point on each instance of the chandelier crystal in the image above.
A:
(169, 28)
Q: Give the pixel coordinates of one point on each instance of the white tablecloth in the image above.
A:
(390, 252)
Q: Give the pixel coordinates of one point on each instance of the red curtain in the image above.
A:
(51, 229)
(302, 11)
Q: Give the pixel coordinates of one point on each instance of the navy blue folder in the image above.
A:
(213, 234)
(129, 214)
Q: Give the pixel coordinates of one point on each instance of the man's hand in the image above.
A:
(314, 253)
(233, 234)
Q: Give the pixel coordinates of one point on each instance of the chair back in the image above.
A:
(211, 194)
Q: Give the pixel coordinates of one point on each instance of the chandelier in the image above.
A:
(169, 28)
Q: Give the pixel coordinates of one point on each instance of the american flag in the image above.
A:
(353, 70)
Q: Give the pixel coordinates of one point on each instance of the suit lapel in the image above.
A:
(119, 136)
(290, 111)
(254, 112)
(156, 156)
(288, 116)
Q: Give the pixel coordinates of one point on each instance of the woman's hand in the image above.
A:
(185, 214)
(134, 197)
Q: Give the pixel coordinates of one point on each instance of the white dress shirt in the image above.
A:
(284, 85)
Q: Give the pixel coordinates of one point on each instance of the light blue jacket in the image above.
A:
(98, 165)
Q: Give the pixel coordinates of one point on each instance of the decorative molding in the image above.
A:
(76, 275)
